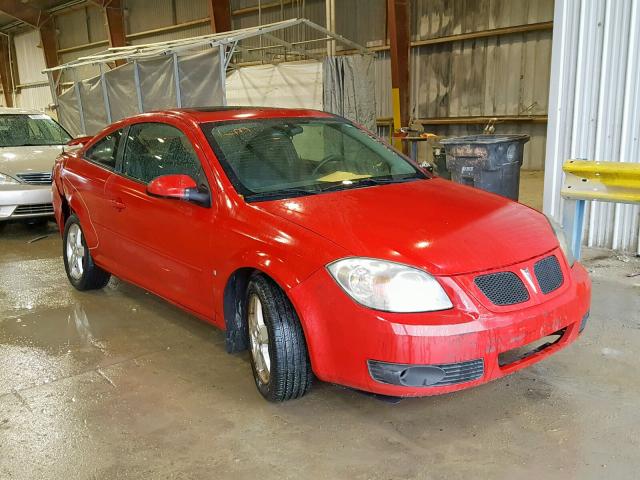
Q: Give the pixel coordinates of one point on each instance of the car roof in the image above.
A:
(239, 113)
(19, 111)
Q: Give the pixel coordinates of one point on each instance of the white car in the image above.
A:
(30, 141)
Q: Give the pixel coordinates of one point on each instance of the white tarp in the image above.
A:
(157, 84)
(121, 88)
(287, 85)
(201, 79)
(201, 84)
(69, 112)
(95, 113)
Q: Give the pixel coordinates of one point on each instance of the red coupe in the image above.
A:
(319, 248)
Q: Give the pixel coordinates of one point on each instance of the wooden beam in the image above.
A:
(531, 27)
(114, 19)
(49, 43)
(220, 15)
(398, 27)
(475, 120)
(5, 71)
(494, 32)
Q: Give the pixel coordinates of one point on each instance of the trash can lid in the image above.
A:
(485, 139)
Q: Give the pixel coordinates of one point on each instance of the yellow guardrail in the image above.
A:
(589, 180)
(604, 181)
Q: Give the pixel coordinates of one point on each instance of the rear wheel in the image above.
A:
(279, 358)
(81, 271)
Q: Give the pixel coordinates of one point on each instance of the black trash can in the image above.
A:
(489, 162)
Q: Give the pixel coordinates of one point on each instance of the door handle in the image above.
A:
(118, 204)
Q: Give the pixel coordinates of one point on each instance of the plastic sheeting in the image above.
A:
(69, 112)
(200, 80)
(286, 85)
(157, 84)
(95, 113)
(121, 89)
(349, 88)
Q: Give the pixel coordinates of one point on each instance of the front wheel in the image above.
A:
(279, 358)
(81, 271)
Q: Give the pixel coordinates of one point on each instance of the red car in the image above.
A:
(319, 248)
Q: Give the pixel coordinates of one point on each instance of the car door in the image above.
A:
(163, 244)
(87, 178)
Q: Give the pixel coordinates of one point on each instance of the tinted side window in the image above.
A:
(105, 151)
(155, 149)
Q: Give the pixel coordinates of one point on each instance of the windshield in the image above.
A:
(21, 130)
(282, 158)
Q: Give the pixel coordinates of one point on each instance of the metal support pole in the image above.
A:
(176, 76)
(52, 87)
(223, 73)
(105, 95)
(76, 87)
(573, 224)
(330, 12)
(136, 80)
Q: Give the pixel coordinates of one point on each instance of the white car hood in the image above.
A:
(38, 158)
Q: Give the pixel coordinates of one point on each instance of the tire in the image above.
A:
(288, 373)
(82, 273)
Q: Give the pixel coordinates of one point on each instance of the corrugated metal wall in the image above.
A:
(34, 91)
(506, 75)
(595, 106)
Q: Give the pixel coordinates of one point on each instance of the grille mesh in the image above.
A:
(502, 288)
(40, 208)
(549, 274)
(40, 178)
(454, 373)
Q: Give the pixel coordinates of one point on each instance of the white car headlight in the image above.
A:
(7, 180)
(389, 286)
(562, 240)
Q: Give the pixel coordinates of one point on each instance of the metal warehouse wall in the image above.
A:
(33, 89)
(506, 75)
(595, 106)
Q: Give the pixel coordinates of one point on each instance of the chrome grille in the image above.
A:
(39, 178)
(36, 209)
(502, 288)
(549, 274)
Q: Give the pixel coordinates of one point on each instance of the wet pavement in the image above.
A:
(119, 384)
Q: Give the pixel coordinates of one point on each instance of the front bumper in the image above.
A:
(344, 337)
(25, 201)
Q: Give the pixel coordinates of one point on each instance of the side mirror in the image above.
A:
(74, 142)
(179, 187)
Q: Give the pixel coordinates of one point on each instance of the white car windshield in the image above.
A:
(18, 130)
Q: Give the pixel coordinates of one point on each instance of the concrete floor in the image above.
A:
(119, 384)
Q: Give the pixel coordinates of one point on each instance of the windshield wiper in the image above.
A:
(367, 182)
(289, 192)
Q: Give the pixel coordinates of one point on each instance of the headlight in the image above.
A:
(389, 286)
(7, 180)
(562, 240)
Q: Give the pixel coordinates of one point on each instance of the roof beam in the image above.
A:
(398, 27)
(5, 71)
(220, 15)
(25, 12)
(114, 21)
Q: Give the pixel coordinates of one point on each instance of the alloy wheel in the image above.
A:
(75, 252)
(259, 339)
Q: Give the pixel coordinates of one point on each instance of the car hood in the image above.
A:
(28, 159)
(434, 224)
